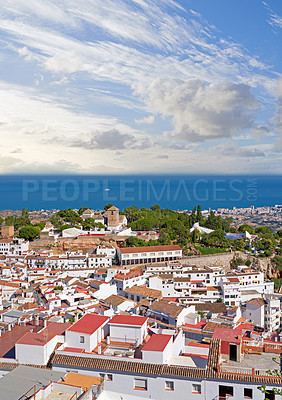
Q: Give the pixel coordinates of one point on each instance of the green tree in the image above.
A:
(56, 221)
(29, 232)
(70, 216)
(156, 207)
(279, 233)
(107, 206)
(199, 215)
(25, 217)
(135, 242)
(1, 221)
(195, 236)
(82, 209)
(10, 220)
(243, 228)
(164, 237)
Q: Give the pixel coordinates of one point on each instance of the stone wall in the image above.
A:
(224, 259)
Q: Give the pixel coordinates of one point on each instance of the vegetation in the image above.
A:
(238, 261)
(18, 222)
(29, 232)
(210, 250)
(277, 261)
(277, 283)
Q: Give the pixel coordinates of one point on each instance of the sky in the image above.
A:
(141, 86)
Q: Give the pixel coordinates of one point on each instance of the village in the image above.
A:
(88, 324)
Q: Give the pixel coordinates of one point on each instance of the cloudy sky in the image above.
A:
(141, 86)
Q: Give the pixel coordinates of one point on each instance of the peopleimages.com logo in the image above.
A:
(137, 190)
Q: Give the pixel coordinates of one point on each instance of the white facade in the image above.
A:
(81, 336)
(99, 261)
(141, 255)
(123, 385)
(109, 251)
(129, 332)
(36, 355)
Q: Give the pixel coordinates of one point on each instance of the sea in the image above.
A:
(176, 192)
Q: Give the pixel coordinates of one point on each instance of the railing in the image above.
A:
(122, 340)
(28, 396)
(236, 370)
(245, 371)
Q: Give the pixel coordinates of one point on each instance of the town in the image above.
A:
(94, 307)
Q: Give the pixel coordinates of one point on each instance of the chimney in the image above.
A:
(108, 339)
(99, 350)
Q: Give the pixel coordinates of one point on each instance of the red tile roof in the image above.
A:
(149, 249)
(128, 320)
(45, 335)
(157, 342)
(88, 324)
(228, 335)
(133, 273)
(9, 339)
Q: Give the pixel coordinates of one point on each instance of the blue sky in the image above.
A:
(141, 86)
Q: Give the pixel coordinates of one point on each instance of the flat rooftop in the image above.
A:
(263, 361)
(19, 381)
(55, 395)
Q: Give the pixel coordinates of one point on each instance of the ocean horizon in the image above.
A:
(176, 192)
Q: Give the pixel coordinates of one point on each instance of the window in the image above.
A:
(169, 385)
(225, 391)
(248, 393)
(196, 388)
(140, 384)
(81, 339)
(102, 375)
(109, 377)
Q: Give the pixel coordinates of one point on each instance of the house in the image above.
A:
(128, 329)
(99, 260)
(87, 214)
(158, 349)
(264, 312)
(36, 347)
(168, 313)
(231, 343)
(200, 229)
(119, 303)
(109, 251)
(87, 332)
(128, 278)
(137, 293)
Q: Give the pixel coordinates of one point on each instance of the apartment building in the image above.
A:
(150, 254)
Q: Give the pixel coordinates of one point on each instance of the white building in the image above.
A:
(200, 229)
(132, 379)
(99, 261)
(36, 348)
(150, 254)
(128, 329)
(110, 251)
(87, 332)
(264, 312)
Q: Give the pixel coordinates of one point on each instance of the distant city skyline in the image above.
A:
(141, 86)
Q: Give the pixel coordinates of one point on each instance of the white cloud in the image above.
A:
(201, 111)
(146, 120)
(232, 150)
(111, 47)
